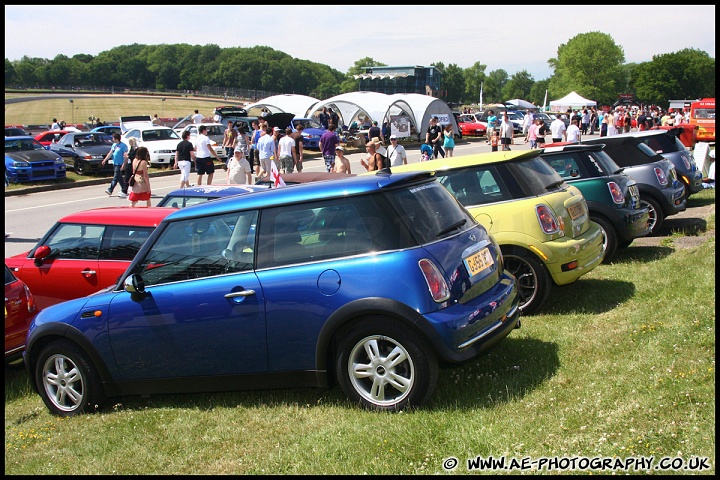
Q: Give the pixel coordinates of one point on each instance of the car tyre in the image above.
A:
(79, 167)
(656, 215)
(624, 244)
(385, 366)
(533, 279)
(67, 380)
(610, 238)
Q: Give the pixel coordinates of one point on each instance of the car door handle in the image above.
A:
(88, 273)
(244, 293)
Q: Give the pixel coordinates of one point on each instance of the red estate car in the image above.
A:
(469, 126)
(85, 252)
(20, 309)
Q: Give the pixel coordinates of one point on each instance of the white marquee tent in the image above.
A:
(286, 103)
(571, 100)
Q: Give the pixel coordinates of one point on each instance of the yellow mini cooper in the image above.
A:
(541, 223)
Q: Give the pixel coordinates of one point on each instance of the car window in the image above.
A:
(325, 230)
(476, 186)
(215, 130)
(201, 247)
(71, 240)
(180, 201)
(9, 277)
(534, 177)
(122, 243)
(566, 165)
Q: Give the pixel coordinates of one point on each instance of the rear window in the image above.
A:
(534, 176)
(664, 143)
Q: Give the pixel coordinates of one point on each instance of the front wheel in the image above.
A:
(533, 279)
(67, 380)
(656, 215)
(385, 366)
(79, 167)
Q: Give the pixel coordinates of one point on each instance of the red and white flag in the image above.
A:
(275, 175)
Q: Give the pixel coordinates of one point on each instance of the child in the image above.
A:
(494, 141)
(426, 152)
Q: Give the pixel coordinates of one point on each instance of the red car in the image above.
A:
(46, 138)
(20, 309)
(85, 252)
(469, 126)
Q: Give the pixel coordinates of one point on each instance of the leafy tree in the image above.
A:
(474, 80)
(453, 82)
(494, 84)
(518, 86)
(685, 74)
(537, 92)
(590, 64)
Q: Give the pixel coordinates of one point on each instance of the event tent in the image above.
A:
(286, 103)
(571, 100)
(413, 107)
(520, 103)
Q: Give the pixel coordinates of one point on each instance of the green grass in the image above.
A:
(619, 364)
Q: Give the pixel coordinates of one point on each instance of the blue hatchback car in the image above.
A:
(369, 282)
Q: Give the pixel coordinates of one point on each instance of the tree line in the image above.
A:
(590, 64)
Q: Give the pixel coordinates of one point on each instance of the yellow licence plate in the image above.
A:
(479, 262)
(576, 210)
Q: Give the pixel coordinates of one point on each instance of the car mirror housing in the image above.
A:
(134, 284)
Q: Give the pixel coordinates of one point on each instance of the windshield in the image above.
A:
(159, 134)
(23, 145)
(306, 123)
(90, 140)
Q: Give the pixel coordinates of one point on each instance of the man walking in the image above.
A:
(328, 141)
(434, 137)
(267, 150)
(396, 153)
(118, 153)
(557, 130)
(205, 156)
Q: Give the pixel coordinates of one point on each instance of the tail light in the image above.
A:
(435, 281)
(686, 161)
(547, 219)
(616, 193)
(31, 306)
(661, 176)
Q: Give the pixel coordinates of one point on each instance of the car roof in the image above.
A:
(272, 197)
(306, 177)
(132, 216)
(215, 190)
(20, 137)
(467, 161)
(570, 147)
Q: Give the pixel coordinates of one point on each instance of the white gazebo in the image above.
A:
(571, 100)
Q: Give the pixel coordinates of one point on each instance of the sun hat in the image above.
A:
(393, 137)
(339, 148)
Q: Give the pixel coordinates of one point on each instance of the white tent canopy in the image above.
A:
(520, 103)
(416, 108)
(571, 100)
(286, 103)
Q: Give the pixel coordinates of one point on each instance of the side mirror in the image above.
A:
(134, 284)
(40, 253)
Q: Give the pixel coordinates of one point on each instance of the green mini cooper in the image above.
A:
(542, 224)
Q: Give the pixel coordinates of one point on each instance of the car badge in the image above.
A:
(473, 238)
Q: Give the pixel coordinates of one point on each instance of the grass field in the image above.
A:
(619, 365)
(108, 108)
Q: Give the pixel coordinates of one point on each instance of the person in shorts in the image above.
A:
(204, 156)
(328, 141)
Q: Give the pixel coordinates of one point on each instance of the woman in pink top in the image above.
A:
(532, 133)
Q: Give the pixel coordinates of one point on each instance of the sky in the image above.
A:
(512, 38)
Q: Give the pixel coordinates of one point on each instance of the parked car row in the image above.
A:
(299, 285)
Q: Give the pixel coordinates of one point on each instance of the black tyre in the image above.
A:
(533, 279)
(610, 238)
(385, 366)
(656, 214)
(624, 244)
(79, 167)
(67, 381)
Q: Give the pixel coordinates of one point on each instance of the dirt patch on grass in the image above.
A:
(687, 229)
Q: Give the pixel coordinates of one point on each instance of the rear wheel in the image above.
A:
(533, 279)
(610, 238)
(385, 366)
(67, 380)
(656, 215)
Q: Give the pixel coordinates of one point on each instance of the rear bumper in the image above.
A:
(574, 257)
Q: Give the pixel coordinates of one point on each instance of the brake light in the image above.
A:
(616, 193)
(547, 219)
(687, 163)
(435, 281)
(31, 306)
(661, 176)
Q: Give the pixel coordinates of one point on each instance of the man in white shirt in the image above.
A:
(528, 120)
(396, 152)
(205, 156)
(198, 117)
(573, 132)
(286, 152)
(557, 130)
